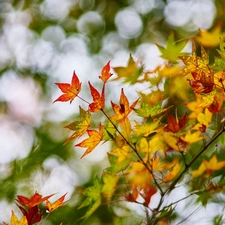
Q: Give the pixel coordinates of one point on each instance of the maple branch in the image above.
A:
(188, 165)
(135, 150)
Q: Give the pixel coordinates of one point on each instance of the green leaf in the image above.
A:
(172, 50)
(93, 198)
(219, 65)
(146, 110)
(109, 184)
(222, 49)
(120, 166)
(130, 73)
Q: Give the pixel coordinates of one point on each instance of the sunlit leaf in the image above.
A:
(211, 38)
(99, 100)
(70, 90)
(130, 73)
(58, 203)
(105, 73)
(34, 200)
(121, 111)
(80, 126)
(90, 143)
(14, 220)
(175, 170)
(208, 167)
(109, 184)
(172, 49)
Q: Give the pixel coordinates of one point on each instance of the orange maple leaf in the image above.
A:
(94, 139)
(70, 90)
(123, 109)
(34, 200)
(99, 100)
(58, 203)
(106, 73)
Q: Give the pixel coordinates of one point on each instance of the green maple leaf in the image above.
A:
(93, 198)
(130, 73)
(172, 50)
(146, 110)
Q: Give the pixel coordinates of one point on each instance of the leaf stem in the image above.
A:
(83, 100)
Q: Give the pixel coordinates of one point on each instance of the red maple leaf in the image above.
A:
(70, 90)
(203, 82)
(174, 124)
(99, 100)
(34, 200)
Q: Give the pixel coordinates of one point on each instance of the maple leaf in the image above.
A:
(70, 90)
(204, 120)
(34, 200)
(123, 109)
(131, 72)
(208, 167)
(80, 126)
(109, 185)
(93, 198)
(203, 82)
(216, 104)
(147, 128)
(106, 73)
(132, 196)
(211, 38)
(58, 203)
(173, 124)
(90, 143)
(147, 194)
(192, 137)
(172, 50)
(14, 220)
(99, 100)
(139, 176)
(174, 171)
(146, 110)
(194, 63)
(33, 214)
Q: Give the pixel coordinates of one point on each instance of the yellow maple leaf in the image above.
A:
(194, 106)
(204, 120)
(139, 176)
(14, 220)
(58, 203)
(195, 63)
(208, 167)
(211, 38)
(175, 169)
(94, 139)
(121, 152)
(171, 140)
(192, 137)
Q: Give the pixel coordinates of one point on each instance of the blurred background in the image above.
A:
(42, 42)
